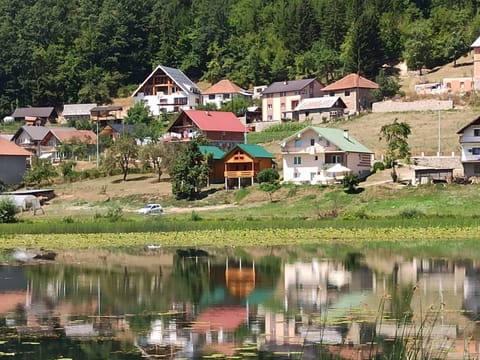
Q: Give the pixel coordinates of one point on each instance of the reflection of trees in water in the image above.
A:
(191, 277)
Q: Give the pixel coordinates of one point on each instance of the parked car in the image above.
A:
(151, 209)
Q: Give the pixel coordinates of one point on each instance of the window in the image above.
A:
(269, 117)
(347, 92)
(282, 105)
(297, 160)
(211, 97)
(462, 85)
(331, 93)
(312, 142)
(298, 143)
(476, 169)
(476, 132)
(476, 151)
(296, 174)
(316, 157)
(269, 106)
(226, 96)
(283, 93)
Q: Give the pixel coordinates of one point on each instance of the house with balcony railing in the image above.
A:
(470, 148)
(311, 151)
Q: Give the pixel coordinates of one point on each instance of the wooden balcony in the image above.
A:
(239, 174)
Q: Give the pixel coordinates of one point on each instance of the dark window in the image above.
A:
(312, 142)
(211, 97)
(347, 92)
(476, 132)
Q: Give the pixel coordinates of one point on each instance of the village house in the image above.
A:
(221, 128)
(319, 110)
(281, 98)
(243, 163)
(114, 131)
(355, 91)
(222, 93)
(13, 162)
(38, 116)
(29, 138)
(217, 165)
(167, 90)
(313, 151)
(470, 148)
(51, 143)
(77, 112)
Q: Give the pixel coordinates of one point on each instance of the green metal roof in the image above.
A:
(337, 137)
(255, 151)
(215, 151)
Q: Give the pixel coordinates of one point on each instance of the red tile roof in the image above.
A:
(12, 149)
(223, 87)
(351, 81)
(215, 120)
(227, 318)
(86, 136)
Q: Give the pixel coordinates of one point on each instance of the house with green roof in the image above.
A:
(243, 162)
(310, 152)
(217, 167)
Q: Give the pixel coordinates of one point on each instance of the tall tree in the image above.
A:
(396, 136)
(123, 154)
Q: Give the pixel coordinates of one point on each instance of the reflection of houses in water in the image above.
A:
(240, 280)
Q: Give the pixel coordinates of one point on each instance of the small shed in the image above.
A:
(245, 162)
(428, 175)
(216, 174)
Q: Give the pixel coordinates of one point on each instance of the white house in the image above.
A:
(223, 92)
(167, 90)
(313, 150)
(470, 144)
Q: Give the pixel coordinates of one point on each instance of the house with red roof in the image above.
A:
(223, 92)
(13, 162)
(281, 98)
(221, 128)
(355, 91)
(55, 137)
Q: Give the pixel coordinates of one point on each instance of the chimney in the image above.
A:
(345, 133)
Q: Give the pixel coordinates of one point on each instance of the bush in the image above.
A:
(378, 166)
(8, 210)
(411, 214)
(268, 176)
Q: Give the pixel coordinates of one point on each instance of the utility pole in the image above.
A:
(439, 135)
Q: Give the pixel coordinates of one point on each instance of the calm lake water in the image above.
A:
(239, 303)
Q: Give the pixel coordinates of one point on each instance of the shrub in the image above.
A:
(350, 182)
(194, 216)
(8, 210)
(411, 214)
(378, 166)
(114, 213)
(269, 175)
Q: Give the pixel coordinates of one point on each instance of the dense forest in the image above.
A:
(66, 51)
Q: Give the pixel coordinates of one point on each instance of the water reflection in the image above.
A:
(262, 302)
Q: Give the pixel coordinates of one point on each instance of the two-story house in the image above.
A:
(167, 89)
(281, 98)
(313, 150)
(222, 93)
(55, 137)
(221, 128)
(470, 148)
(355, 91)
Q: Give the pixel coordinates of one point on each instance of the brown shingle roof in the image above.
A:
(351, 81)
(223, 87)
(42, 112)
(11, 149)
(68, 135)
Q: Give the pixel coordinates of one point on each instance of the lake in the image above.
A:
(275, 302)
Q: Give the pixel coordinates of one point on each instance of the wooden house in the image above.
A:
(244, 162)
(221, 128)
(114, 131)
(216, 174)
(318, 110)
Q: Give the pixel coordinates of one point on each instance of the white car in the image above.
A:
(151, 209)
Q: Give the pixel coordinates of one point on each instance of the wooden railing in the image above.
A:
(239, 174)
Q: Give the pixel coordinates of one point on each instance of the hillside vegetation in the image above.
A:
(57, 52)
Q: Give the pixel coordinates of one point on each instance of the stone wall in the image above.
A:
(421, 105)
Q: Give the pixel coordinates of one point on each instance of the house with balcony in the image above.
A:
(281, 98)
(313, 150)
(470, 148)
(29, 138)
(354, 90)
(221, 128)
(243, 163)
(50, 145)
(222, 93)
(77, 112)
(167, 89)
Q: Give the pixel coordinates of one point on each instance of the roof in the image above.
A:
(287, 86)
(351, 81)
(69, 134)
(476, 43)
(227, 318)
(122, 128)
(77, 109)
(326, 102)
(474, 122)
(215, 151)
(36, 133)
(176, 75)
(223, 87)
(337, 137)
(42, 112)
(255, 151)
(106, 108)
(8, 148)
(215, 120)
